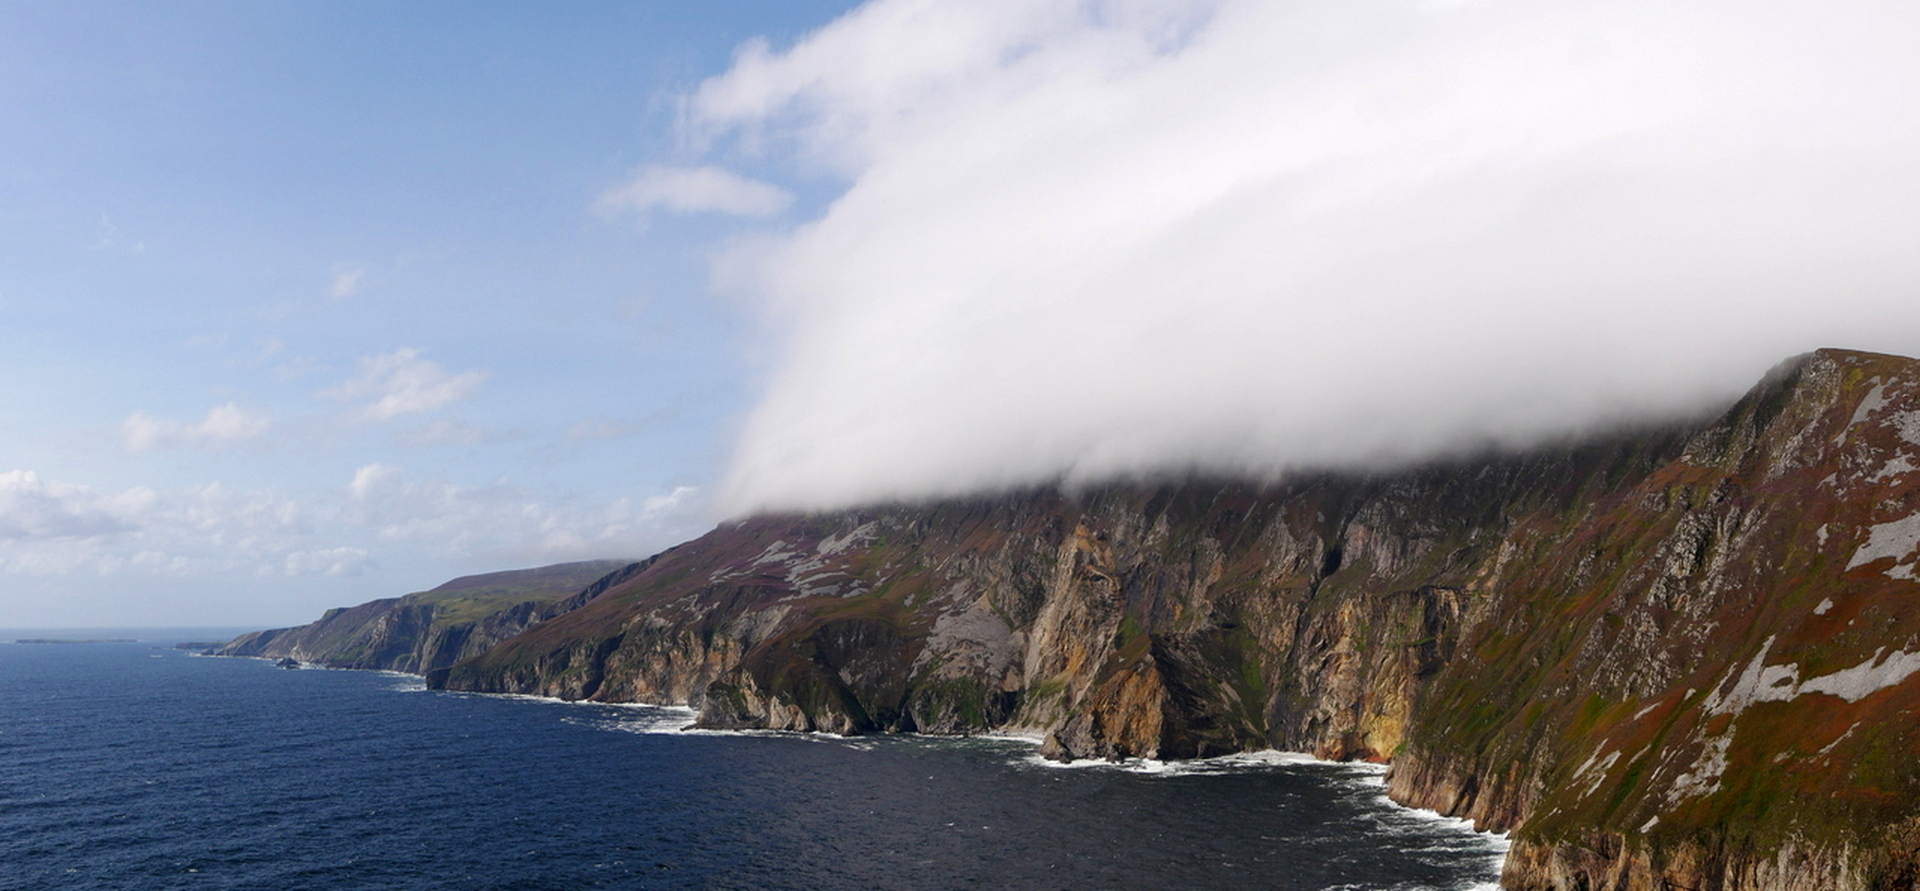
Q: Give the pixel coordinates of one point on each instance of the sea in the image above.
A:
(135, 765)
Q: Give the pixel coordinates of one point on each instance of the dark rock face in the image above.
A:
(1675, 657)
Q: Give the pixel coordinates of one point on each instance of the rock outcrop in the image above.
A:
(1680, 656)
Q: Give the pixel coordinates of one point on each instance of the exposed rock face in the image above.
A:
(1710, 680)
(425, 632)
(1679, 657)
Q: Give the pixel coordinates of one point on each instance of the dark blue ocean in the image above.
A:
(137, 766)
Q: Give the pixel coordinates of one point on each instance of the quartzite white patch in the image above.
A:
(1897, 539)
(1876, 399)
(1599, 772)
(1908, 423)
(856, 536)
(1894, 467)
(1704, 777)
(1760, 682)
(1869, 677)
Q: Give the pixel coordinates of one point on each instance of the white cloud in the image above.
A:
(401, 383)
(341, 561)
(659, 505)
(224, 426)
(1091, 239)
(346, 280)
(33, 509)
(370, 479)
(53, 528)
(694, 190)
(508, 524)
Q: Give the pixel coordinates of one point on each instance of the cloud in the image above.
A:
(341, 561)
(224, 426)
(370, 479)
(346, 280)
(694, 190)
(52, 528)
(401, 383)
(33, 509)
(1088, 240)
(505, 523)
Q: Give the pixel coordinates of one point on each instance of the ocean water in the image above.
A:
(136, 766)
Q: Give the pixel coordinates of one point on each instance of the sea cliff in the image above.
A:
(430, 630)
(1678, 656)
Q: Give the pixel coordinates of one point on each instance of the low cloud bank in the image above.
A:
(1086, 240)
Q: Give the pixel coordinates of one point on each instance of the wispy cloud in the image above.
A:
(338, 561)
(346, 280)
(512, 524)
(402, 383)
(1090, 239)
(223, 427)
(694, 190)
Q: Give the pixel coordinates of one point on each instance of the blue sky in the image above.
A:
(243, 204)
(306, 304)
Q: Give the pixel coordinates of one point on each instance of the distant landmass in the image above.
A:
(1679, 656)
(430, 630)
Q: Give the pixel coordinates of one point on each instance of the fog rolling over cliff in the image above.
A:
(1087, 240)
(1671, 656)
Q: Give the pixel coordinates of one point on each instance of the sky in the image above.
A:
(306, 304)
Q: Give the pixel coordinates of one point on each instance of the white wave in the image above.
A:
(1495, 842)
(656, 719)
(1239, 762)
(405, 683)
(1410, 822)
(815, 736)
(1033, 737)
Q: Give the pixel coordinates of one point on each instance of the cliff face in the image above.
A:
(1709, 680)
(1679, 657)
(1170, 621)
(424, 632)
(1162, 622)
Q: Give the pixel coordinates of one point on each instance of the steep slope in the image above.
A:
(433, 629)
(1167, 621)
(1710, 681)
(1679, 657)
(1674, 658)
